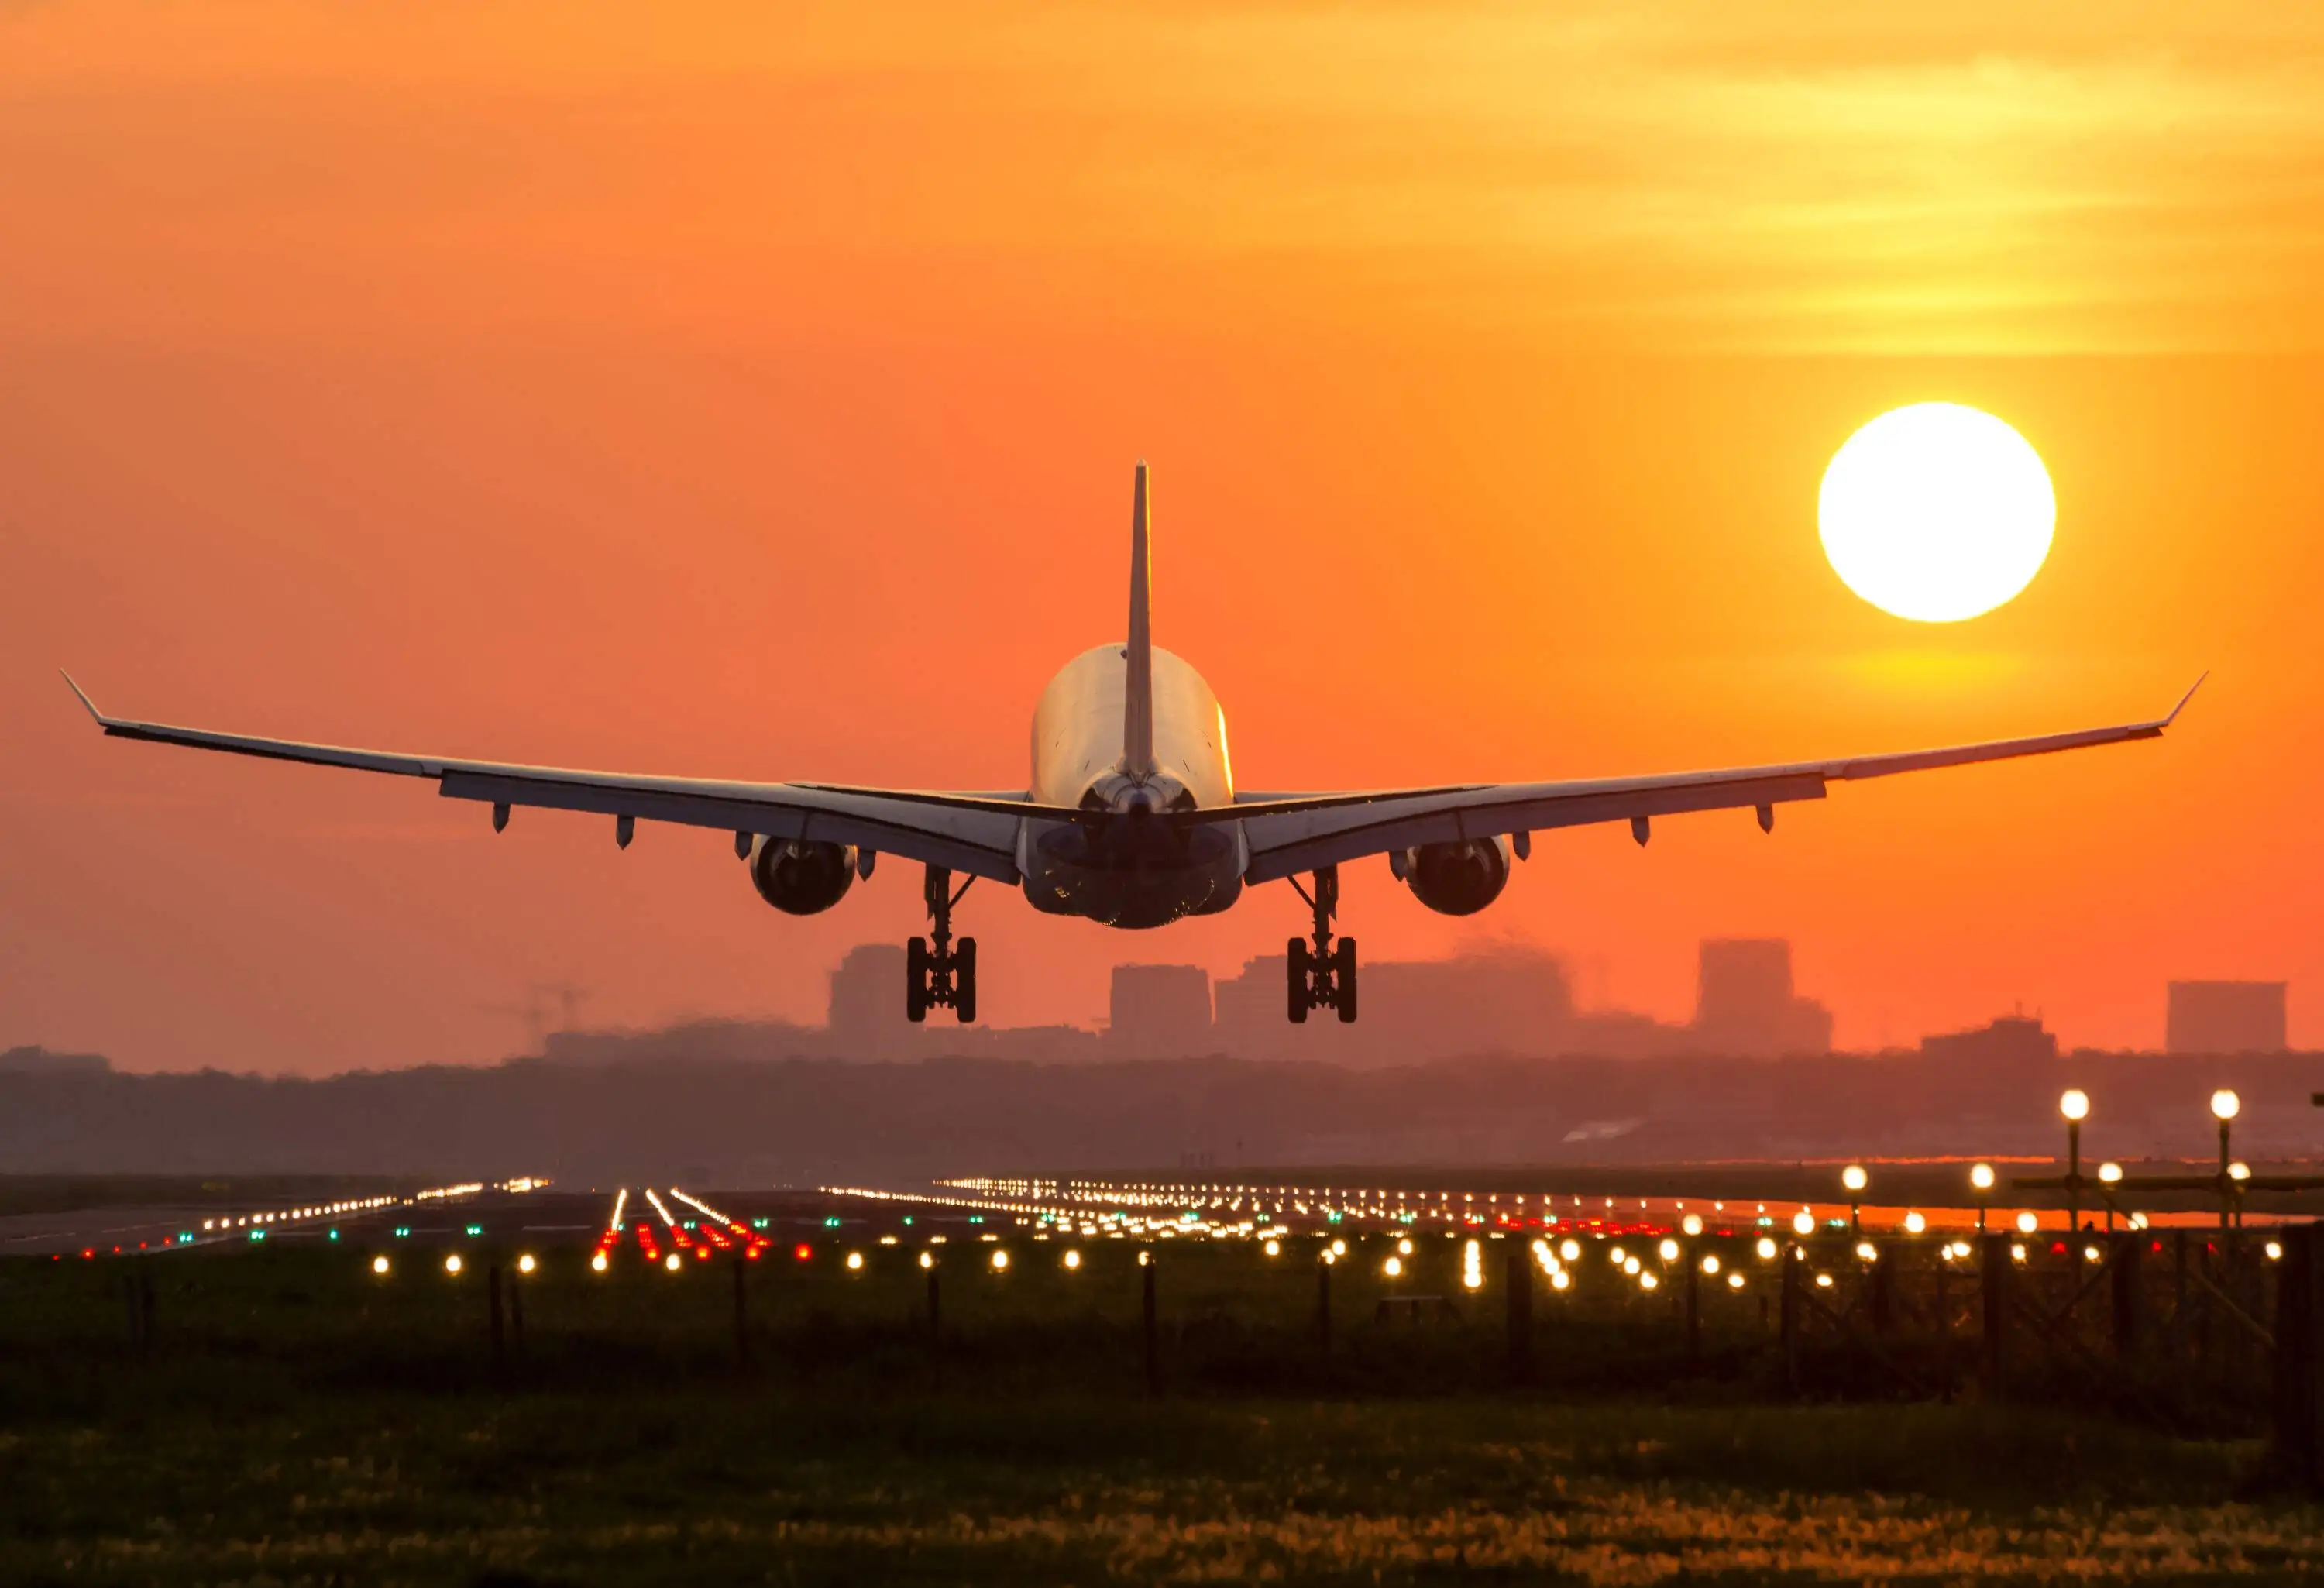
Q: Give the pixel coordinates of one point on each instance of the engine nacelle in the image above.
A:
(802, 879)
(1455, 879)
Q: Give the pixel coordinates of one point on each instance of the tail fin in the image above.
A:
(1138, 686)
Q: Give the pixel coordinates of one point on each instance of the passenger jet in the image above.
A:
(1131, 817)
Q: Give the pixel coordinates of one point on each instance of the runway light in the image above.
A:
(1274, 1248)
(1074, 1259)
(1647, 1281)
(2274, 1250)
(1803, 1224)
(379, 1264)
(2027, 1224)
(2225, 1104)
(1692, 1223)
(2017, 1251)
(2089, 1254)
(927, 1260)
(1559, 1281)
(1393, 1268)
(525, 1264)
(1570, 1251)
(802, 1251)
(1710, 1264)
(1824, 1281)
(1404, 1247)
(1667, 1251)
(2110, 1173)
(599, 1264)
(2239, 1171)
(1766, 1248)
(1735, 1281)
(1854, 1178)
(1631, 1265)
(1868, 1253)
(673, 1263)
(452, 1263)
(1914, 1224)
(1000, 1259)
(854, 1262)
(1339, 1248)
(2075, 1103)
(1146, 1258)
(1980, 1176)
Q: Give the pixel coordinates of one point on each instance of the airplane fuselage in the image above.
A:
(1131, 871)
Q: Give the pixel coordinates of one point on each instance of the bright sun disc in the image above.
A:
(1936, 512)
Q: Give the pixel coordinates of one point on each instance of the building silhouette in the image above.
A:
(1745, 1005)
(1160, 1011)
(2225, 1017)
(867, 995)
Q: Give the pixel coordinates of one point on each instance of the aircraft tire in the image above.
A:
(1343, 977)
(963, 981)
(916, 980)
(1299, 961)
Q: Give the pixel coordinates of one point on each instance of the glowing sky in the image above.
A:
(753, 390)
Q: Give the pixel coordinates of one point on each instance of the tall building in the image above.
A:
(1745, 1005)
(1511, 1001)
(2225, 1017)
(867, 996)
(1161, 1011)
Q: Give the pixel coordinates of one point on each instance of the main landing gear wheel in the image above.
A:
(1321, 975)
(937, 973)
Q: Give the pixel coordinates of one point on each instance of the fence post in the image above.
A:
(1694, 1261)
(1994, 1279)
(1520, 1312)
(2298, 1395)
(742, 1315)
(2129, 1294)
(492, 1294)
(1323, 1307)
(1788, 1319)
(1153, 1344)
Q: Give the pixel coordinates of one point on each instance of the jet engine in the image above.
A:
(802, 878)
(1455, 879)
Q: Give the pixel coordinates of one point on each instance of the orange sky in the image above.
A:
(752, 391)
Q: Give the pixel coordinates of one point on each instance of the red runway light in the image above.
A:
(803, 1251)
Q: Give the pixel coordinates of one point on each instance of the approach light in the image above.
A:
(1766, 1248)
(1710, 1264)
(1393, 1268)
(1647, 1281)
(1570, 1251)
(2110, 1173)
(525, 1264)
(1854, 1178)
(2027, 1224)
(1559, 1280)
(1274, 1248)
(2090, 1254)
(1667, 1251)
(2274, 1250)
(1980, 1176)
(1000, 1259)
(1824, 1281)
(672, 1262)
(1692, 1223)
(2239, 1171)
(1619, 1256)
(1074, 1259)
(2225, 1105)
(1403, 1246)
(1735, 1281)
(1914, 1224)
(599, 1263)
(1339, 1248)
(854, 1262)
(927, 1260)
(2074, 1103)
(379, 1264)
(1803, 1222)
(1631, 1265)
(452, 1263)
(1867, 1251)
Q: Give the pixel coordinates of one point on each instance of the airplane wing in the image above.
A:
(1289, 834)
(971, 833)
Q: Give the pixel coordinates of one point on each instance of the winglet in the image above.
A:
(2190, 695)
(101, 720)
(1138, 686)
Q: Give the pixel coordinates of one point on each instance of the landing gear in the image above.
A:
(1322, 976)
(939, 973)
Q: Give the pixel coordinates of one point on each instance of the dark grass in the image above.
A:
(295, 1420)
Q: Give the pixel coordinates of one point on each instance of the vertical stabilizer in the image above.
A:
(1138, 686)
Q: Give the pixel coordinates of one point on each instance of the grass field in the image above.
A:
(294, 1418)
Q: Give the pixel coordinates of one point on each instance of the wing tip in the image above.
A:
(97, 716)
(2190, 695)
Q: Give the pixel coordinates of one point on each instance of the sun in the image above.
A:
(1936, 512)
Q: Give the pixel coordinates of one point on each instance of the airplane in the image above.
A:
(1131, 817)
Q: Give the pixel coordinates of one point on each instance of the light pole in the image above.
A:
(1854, 1178)
(2224, 1106)
(2110, 1175)
(2075, 1105)
(1980, 1180)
